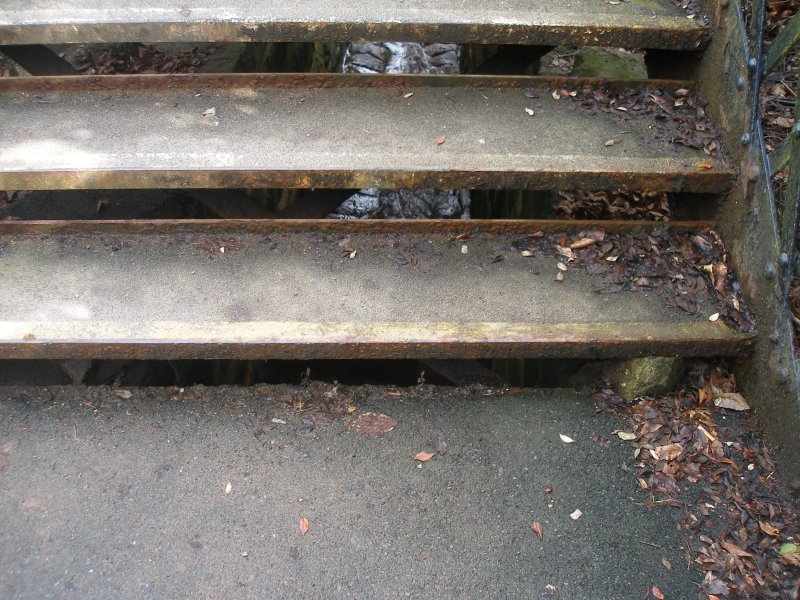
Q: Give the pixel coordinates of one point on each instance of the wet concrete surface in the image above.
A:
(103, 496)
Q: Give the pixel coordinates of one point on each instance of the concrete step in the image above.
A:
(338, 131)
(333, 289)
(631, 24)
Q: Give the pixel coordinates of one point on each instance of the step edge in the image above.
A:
(267, 339)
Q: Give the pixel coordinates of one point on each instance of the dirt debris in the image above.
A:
(712, 463)
(615, 204)
(689, 269)
(679, 114)
(138, 58)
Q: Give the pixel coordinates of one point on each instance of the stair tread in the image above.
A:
(345, 131)
(634, 23)
(290, 289)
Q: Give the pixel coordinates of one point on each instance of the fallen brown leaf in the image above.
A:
(537, 529)
(731, 401)
(735, 550)
(440, 140)
(582, 243)
(668, 452)
(791, 558)
(719, 274)
(442, 448)
(769, 529)
(657, 593)
(713, 585)
(424, 456)
(303, 525)
(373, 424)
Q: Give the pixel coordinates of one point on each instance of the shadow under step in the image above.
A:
(330, 289)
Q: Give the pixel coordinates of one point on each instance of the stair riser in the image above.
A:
(452, 342)
(622, 174)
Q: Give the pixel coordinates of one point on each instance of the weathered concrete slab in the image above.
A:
(636, 23)
(106, 496)
(326, 289)
(334, 131)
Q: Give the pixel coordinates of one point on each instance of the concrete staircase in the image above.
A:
(343, 289)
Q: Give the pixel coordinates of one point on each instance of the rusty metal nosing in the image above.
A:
(344, 340)
(451, 226)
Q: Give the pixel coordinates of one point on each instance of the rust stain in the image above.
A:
(630, 31)
(145, 82)
(266, 340)
(671, 178)
(223, 227)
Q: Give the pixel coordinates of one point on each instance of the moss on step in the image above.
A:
(608, 63)
(634, 377)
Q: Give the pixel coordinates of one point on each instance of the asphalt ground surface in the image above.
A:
(109, 497)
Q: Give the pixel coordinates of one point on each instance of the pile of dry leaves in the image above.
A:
(778, 97)
(564, 59)
(695, 452)
(137, 58)
(617, 204)
(779, 91)
(680, 116)
(688, 268)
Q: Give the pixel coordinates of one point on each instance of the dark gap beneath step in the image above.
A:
(205, 57)
(321, 203)
(671, 64)
(327, 57)
(497, 373)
